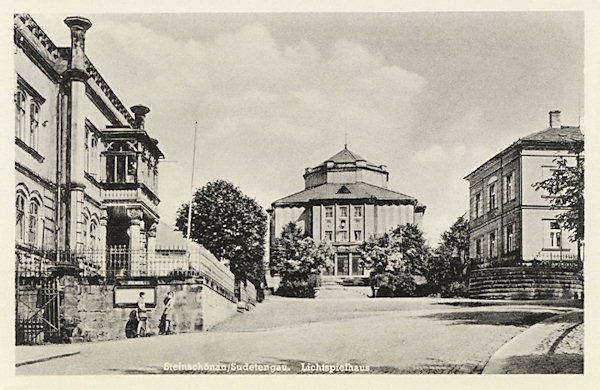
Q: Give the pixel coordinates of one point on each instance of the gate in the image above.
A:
(38, 308)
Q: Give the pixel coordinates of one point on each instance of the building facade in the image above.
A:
(345, 202)
(86, 169)
(511, 222)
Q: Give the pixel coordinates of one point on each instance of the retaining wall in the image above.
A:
(90, 314)
(525, 283)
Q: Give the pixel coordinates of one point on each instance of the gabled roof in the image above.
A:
(564, 134)
(345, 156)
(331, 191)
(550, 137)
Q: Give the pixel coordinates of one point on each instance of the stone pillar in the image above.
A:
(135, 217)
(77, 75)
(151, 248)
(102, 247)
(139, 113)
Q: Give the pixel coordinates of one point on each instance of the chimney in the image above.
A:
(554, 119)
(140, 112)
(78, 26)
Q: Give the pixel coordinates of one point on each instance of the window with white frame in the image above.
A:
(358, 211)
(328, 211)
(492, 196)
(84, 231)
(27, 114)
(478, 205)
(328, 235)
(343, 211)
(509, 187)
(509, 238)
(32, 227)
(478, 249)
(86, 148)
(121, 164)
(552, 235)
(358, 235)
(93, 236)
(20, 114)
(492, 244)
(20, 225)
(34, 124)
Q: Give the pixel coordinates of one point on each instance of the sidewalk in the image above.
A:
(553, 346)
(30, 354)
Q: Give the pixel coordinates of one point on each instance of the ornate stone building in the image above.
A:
(86, 168)
(345, 201)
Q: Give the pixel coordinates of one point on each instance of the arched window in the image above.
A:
(20, 227)
(34, 124)
(32, 228)
(85, 229)
(20, 100)
(93, 235)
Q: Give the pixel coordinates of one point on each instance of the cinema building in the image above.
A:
(345, 201)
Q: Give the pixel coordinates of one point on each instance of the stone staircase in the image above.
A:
(525, 283)
(331, 288)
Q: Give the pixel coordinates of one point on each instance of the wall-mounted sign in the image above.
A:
(128, 296)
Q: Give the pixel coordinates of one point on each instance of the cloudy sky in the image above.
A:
(432, 95)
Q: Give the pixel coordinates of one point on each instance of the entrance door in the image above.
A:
(356, 267)
(342, 264)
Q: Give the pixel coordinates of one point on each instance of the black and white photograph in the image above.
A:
(297, 193)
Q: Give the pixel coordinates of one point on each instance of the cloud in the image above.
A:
(266, 110)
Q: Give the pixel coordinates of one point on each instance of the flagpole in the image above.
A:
(189, 224)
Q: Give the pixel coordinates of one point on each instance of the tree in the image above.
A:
(395, 259)
(298, 260)
(231, 225)
(447, 271)
(565, 188)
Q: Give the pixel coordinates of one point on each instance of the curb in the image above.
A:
(44, 359)
(530, 343)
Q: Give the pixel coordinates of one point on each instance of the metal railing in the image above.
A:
(122, 262)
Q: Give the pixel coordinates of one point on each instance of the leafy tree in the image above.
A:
(447, 271)
(395, 259)
(565, 188)
(231, 225)
(298, 260)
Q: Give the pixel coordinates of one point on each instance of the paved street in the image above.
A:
(390, 335)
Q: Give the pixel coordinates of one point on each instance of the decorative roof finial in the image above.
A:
(346, 139)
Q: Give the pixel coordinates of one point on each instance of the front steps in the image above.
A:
(525, 283)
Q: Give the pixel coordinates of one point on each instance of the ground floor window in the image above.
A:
(552, 235)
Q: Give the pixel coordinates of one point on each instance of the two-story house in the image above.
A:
(510, 222)
(86, 168)
(345, 201)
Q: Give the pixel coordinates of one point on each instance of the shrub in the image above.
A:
(298, 288)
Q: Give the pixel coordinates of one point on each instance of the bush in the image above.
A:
(391, 285)
(456, 289)
(404, 286)
(298, 288)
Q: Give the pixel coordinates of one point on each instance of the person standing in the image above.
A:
(142, 315)
(168, 312)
